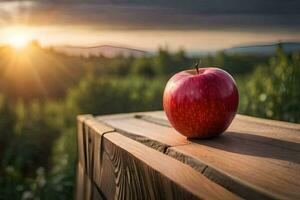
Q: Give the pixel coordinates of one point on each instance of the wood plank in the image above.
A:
(153, 119)
(250, 128)
(273, 123)
(117, 116)
(94, 132)
(84, 188)
(150, 134)
(253, 159)
(98, 127)
(131, 170)
(279, 131)
(246, 167)
(80, 176)
(156, 114)
(81, 139)
(89, 137)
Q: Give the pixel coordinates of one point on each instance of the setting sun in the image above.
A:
(19, 41)
(17, 36)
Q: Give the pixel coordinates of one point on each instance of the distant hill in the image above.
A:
(112, 51)
(104, 50)
(264, 49)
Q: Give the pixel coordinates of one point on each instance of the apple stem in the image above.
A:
(197, 67)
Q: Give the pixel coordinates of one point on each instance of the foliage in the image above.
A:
(234, 64)
(114, 95)
(273, 90)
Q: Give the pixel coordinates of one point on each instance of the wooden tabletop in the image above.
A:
(253, 159)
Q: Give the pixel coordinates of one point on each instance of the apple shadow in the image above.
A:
(254, 145)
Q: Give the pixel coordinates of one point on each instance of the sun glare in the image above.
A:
(19, 41)
(18, 36)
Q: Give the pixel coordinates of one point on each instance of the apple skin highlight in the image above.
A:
(201, 104)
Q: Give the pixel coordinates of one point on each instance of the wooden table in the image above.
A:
(140, 156)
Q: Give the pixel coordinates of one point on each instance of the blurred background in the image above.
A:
(59, 59)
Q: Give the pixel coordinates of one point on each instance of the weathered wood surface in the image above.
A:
(140, 156)
(153, 135)
(136, 171)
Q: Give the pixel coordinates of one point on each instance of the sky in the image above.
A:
(208, 25)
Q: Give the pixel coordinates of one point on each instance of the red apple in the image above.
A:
(201, 103)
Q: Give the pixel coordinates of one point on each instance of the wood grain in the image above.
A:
(253, 158)
(274, 131)
(117, 116)
(81, 138)
(156, 114)
(278, 131)
(132, 170)
(273, 123)
(89, 137)
(150, 134)
(94, 132)
(267, 131)
(80, 183)
(84, 188)
(264, 170)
